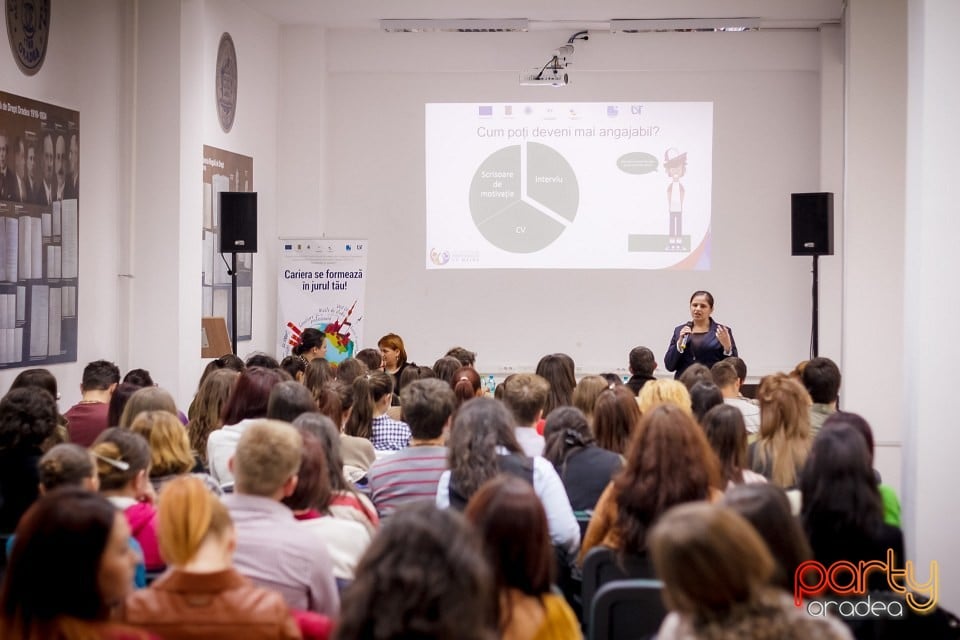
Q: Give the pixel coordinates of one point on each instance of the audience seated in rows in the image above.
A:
(725, 376)
(525, 395)
(784, 440)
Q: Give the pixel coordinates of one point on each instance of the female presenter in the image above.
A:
(700, 340)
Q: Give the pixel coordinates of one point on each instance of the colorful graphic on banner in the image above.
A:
(39, 232)
(225, 171)
(321, 286)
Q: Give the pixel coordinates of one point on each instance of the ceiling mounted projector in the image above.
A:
(554, 73)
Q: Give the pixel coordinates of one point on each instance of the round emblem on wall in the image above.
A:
(28, 29)
(226, 82)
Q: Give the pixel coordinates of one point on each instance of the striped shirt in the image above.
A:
(388, 434)
(410, 475)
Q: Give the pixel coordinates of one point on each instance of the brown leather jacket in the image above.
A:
(184, 606)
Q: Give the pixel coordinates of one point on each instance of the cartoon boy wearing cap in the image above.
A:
(676, 165)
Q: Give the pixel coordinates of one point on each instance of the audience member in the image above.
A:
(247, 402)
(695, 373)
(28, 417)
(525, 395)
(118, 402)
(170, 455)
(767, 508)
(261, 360)
(664, 391)
(43, 379)
(821, 377)
(727, 435)
(466, 385)
(513, 526)
(716, 570)
(615, 418)
(313, 345)
(415, 372)
(208, 404)
(703, 397)
(295, 366)
(318, 373)
(482, 444)
(668, 463)
(642, 365)
(585, 468)
(288, 399)
(123, 465)
(725, 376)
(88, 418)
(891, 503)
(369, 419)
(271, 550)
(446, 367)
(371, 357)
(345, 539)
(345, 501)
(202, 595)
(229, 362)
(71, 562)
(412, 474)
(466, 357)
(559, 370)
(784, 440)
(336, 403)
(139, 378)
(146, 399)
(413, 583)
(350, 369)
(585, 394)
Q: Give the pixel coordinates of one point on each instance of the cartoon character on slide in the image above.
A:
(676, 165)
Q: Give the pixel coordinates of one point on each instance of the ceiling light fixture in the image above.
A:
(468, 25)
(683, 25)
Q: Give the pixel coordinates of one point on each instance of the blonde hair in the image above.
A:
(188, 514)
(586, 392)
(146, 399)
(169, 444)
(268, 454)
(784, 440)
(657, 392)
(710, 560)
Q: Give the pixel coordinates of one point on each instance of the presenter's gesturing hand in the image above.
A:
(723, 336)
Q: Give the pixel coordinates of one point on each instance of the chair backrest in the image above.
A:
(603, 565)
(627, 610)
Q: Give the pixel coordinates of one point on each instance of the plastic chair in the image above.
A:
(627, 610)
(603, 565)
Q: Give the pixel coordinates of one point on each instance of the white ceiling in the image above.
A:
(547, 14)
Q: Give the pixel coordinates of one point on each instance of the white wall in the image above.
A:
(767, 93)
(83, 37)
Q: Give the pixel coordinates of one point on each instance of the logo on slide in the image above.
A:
(439, 257)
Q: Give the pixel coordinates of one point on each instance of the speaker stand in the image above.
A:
(815, 324)
(233, 300)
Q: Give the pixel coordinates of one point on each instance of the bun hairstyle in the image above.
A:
(466, 384)
(188, 514)
(309, 339)
(368, 389)
(65, 464)
(121, 455)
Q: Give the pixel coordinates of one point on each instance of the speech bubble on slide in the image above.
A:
(638, 163)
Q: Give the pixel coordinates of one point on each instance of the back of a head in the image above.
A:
(288, 399)
(28, 416)
(55, 563)
(370, 357)
(368, 389)
(703, 397)
(445, 367)
(727, 434)
(724, 374)
(250, 394)
(466, 357)
(267, 456)
(642, 361)
(466, 384)
(66, 465)
(767, 508)
(139, 377)
(784, 427)
(480, 426)
(615, 418)
(313, 483)
(121, 455)
(40, 378)
(740, 366)
(559, 370)
(317, 373)
(188, 514)
(327, 434)
(209, 402)
(413, 373)
(310, 338)
(99, 375)
(821, 377)
(586, 392)
(657, 392)
(566, 430)
(350, 369)
(146, 399)
(695, 373)
(118, 402)
(413, 583)
(262, 360)
(295, 366)
(710, 560)
(169, 443)
(856, 421)
(427, 406)
(513, 525)
(525, 394)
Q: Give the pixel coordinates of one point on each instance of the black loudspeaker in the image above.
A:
(238, 222)
(811, 224)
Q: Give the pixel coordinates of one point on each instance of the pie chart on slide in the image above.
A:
(522, 197)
